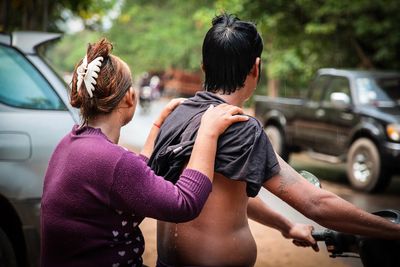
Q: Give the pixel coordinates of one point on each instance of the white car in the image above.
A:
(34, 115)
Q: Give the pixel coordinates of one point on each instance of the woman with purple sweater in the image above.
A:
(96, 193)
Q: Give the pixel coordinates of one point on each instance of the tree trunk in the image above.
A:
(273, 87)
(365, 60)
(4, 15)
(45, 15)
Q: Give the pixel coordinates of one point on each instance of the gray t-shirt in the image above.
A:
(244, 152)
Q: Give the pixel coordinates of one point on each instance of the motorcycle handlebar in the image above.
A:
(320, 235)
(373, 252)
(337, 243)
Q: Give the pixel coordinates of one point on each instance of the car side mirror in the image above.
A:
(311, 178)
(340, 100)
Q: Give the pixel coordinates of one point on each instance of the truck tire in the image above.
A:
(277, 140)
(7, 255)
(364, 167)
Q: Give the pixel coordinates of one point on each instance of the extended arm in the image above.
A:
(326, 208)
(258, 211)
(155, 128)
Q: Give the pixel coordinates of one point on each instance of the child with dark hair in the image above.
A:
(96, 193)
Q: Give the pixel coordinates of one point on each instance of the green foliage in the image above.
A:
(70, 50)
(151, 35)
(43, 15)
(300, 36)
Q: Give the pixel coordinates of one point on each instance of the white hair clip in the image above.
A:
(88, 73)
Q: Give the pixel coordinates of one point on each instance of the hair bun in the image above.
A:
(101, 48)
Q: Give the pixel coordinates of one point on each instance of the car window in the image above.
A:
(378, 92)
(337, 85)
(23, 86)
(318, 87)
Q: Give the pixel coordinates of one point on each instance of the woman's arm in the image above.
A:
(326, 208)
(137, 189)
(149, 144)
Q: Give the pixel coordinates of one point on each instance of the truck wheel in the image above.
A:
(277, 140)
(7, 255)
(364, 167)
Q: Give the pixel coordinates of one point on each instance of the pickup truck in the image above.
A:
(346, 116)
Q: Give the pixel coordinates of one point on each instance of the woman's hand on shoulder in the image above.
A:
(172, 104)
(217, 119)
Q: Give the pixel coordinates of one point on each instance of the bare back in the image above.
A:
(220, 236)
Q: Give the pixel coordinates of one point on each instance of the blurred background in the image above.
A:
(155, 36)
(161, 42)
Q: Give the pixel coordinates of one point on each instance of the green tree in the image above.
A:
(64, 55)
(303, 35)
(300, 36)
(43, 15)
(154, 35)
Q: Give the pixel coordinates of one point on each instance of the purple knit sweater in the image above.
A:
(96, 194)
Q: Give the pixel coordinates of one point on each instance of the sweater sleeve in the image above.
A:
(144, 158)
(137, 189)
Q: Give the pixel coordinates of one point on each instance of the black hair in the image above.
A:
(230, 49)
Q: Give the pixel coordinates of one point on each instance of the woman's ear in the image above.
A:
(130, 97)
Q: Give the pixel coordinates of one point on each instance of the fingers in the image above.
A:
(302, 236)
(228, 109)
(234, 110)
(230, 112)
(175, 102)
(314, 244)
(239, 118)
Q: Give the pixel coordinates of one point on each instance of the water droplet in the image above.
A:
(176, 230)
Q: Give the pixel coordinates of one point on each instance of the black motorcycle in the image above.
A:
(372, 252)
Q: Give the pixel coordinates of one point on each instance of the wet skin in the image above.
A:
(220, 236)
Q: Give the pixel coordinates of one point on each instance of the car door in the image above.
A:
(33, 119)
(341, 117)
(310, 122)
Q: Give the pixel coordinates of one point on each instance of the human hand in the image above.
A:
(167, 110)
(301, 235)
(217, 119)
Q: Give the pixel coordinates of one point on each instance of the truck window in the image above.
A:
(378, 91)
(337, 85)
(317, 88)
